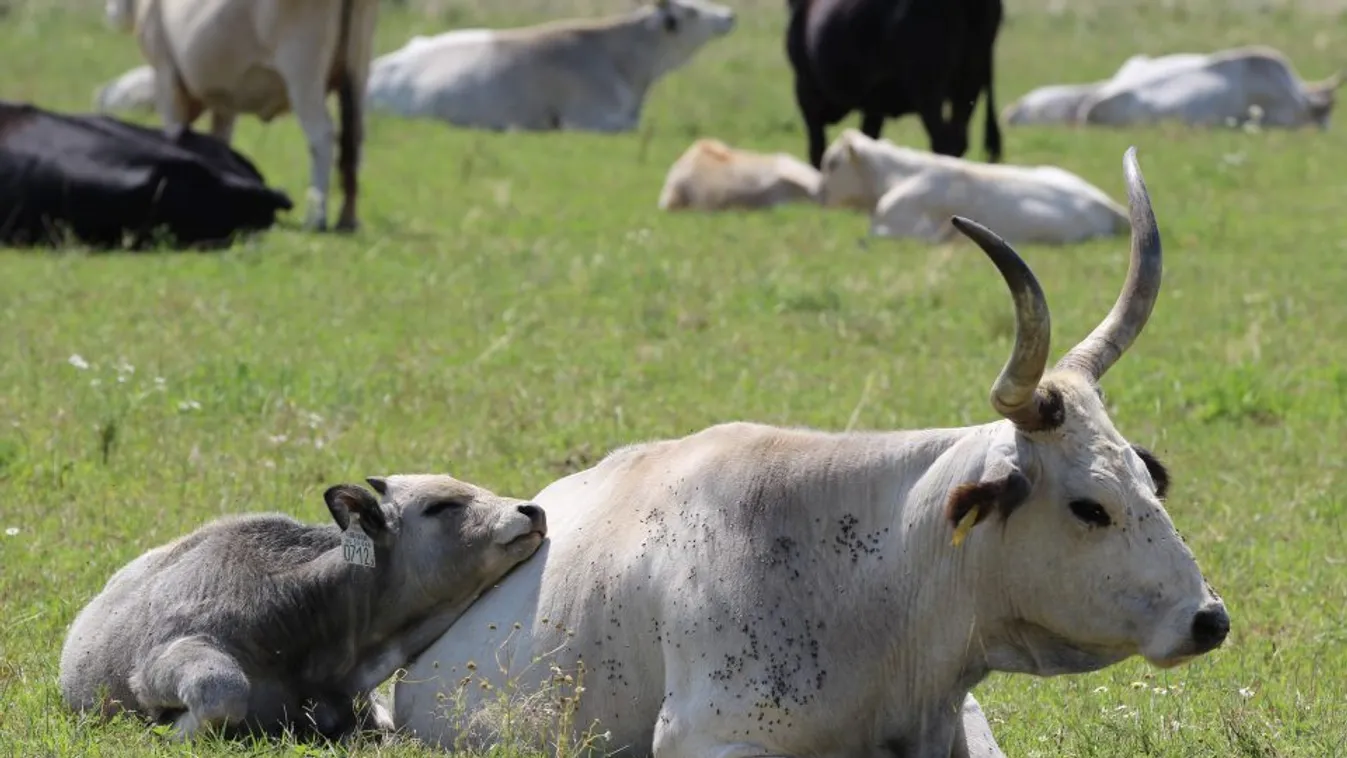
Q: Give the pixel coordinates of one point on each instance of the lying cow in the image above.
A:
(911, 193)
(591, 75)
(264, 57)
(260, 623)
(132, 92)
(1226, 88)
(753, 590)
(712, 176)
(105, 183)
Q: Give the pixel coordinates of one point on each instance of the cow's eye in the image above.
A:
(1090, 512)
(440, 506)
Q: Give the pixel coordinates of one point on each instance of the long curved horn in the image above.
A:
(1016, 394)
(1102, 348)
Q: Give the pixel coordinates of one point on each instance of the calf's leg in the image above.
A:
(192, 675)
(872, 124)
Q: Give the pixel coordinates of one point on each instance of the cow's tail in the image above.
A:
(347, 103)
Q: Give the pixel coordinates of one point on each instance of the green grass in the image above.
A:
(515, 306)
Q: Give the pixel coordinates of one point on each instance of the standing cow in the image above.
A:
(264, 57)
(888, 58)
(259, 622)
(752, 590)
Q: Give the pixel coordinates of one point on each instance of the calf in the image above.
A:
(912, 193)
(590, 74)
(262, 623)
(712, 176)
(107, 183)
(888, 59)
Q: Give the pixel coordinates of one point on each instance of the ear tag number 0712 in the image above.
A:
(357, 548)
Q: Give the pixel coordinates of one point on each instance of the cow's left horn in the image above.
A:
(1016, 394)
(1101, 349)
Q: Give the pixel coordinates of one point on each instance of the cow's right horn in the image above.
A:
(1016, 394)
(1102, 348)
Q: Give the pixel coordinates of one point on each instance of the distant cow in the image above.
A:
(105, 183)
(260, 622)
(1226, 88)
(913, 193)
(588, 74)
(888, 59)
(264, 57)
(712, 176)
(132, 92)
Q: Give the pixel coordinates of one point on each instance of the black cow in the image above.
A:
(888, 58)
(105, 183)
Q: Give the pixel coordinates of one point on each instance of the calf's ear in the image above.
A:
(970, 503)
(347, 502)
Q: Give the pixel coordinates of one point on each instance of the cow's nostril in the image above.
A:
(532, 511)
(1210, 626)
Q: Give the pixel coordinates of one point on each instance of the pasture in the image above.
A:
(515, 306)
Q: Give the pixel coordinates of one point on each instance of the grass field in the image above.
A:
(515, 306)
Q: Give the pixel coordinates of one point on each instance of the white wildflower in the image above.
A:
(1246, 692)
(189, 405)
(78, 362)
(12, 531)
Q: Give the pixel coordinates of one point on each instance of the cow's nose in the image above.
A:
(532, 511)
(1210, 626)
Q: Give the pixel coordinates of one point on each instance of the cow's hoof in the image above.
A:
(347, 226)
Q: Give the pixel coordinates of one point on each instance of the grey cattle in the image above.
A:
(261, 623)
(579, 74)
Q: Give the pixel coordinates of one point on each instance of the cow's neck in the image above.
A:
(349, 608)
(631, 53)
(941, 646)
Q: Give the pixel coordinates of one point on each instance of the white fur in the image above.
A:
(912, 193)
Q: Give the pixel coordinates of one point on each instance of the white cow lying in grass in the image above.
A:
(586, 74)
(713, 176)
(913, 193)
(1226, 88)
(755, 591)
(262, 623)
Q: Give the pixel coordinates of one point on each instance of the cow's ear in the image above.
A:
(970, 503)
(348, 502)
(850, 151)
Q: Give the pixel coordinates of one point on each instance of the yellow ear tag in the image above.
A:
(965, 526)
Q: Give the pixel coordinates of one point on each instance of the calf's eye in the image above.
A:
(444, 505)
(1090, 512)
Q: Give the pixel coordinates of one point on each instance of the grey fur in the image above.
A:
(255, 623)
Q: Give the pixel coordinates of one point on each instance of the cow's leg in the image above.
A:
(222, 125)
(308, 101)
(816, 113)
(872, 124)
(193, 676)
(175, 106)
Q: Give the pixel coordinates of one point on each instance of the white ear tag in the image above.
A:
(357, 548)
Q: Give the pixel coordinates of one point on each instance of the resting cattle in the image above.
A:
(589, 75)
(260, 623)
(888, 59)
(752, 590)
(264, 57)
(132, 92)
(712, 176)
(106, 183)
(913, 193)
(1226, 88)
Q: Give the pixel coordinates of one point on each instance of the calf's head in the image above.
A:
(438, 539)
(1080, 563)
